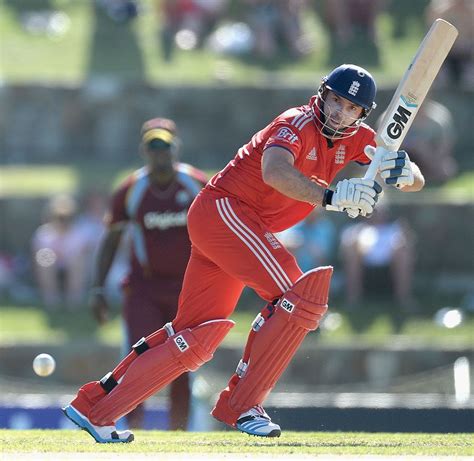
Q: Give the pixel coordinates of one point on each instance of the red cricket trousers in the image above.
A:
(231, 248)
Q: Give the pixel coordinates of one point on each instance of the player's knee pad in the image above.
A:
(157, 366)
(273, 343)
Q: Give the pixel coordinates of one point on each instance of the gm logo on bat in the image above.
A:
(400, 118)
(181, 343)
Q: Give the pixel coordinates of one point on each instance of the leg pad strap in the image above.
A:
(140, 346)
(108, 382)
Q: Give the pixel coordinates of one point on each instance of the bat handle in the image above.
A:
(371, 173)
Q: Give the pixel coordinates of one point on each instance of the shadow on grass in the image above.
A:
(22, 6)
(114, 50)
(360, 50)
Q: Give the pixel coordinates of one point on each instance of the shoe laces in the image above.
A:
(258, 412)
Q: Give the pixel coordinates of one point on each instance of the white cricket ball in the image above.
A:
(44, 365)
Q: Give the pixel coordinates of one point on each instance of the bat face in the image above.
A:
(413, 88)
(416, 83)
(399, 120)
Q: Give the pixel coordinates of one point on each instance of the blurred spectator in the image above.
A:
(352, 31)
(312, 241)
(60, 256)
(460, 61)
(187, 23)
(90, 225)
(430, 142)
(276, 25)
(378, 250)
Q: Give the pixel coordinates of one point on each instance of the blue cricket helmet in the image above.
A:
(353, 83)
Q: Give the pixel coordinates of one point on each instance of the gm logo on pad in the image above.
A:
(181, 343)
(287, 305)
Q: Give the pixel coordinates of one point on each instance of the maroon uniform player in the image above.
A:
(153, 202)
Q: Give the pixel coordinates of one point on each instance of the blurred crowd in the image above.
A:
(64, 245)
(270, 30)
(59, 269)
(376, 256)
(57, 266)
(63, 248)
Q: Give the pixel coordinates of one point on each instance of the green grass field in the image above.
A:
(150, 442)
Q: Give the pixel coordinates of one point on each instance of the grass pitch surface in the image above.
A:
(66, 444)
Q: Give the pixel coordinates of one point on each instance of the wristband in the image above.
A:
(327, 197)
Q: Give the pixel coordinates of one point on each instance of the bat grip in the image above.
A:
(371, 173)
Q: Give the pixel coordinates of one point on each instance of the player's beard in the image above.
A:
(332, 132)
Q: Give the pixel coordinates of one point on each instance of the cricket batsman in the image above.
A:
(273, 182)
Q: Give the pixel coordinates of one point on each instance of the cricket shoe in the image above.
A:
(101, 434)
(257, 422)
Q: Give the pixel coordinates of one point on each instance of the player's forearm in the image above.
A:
(105, 258)
(290, 182)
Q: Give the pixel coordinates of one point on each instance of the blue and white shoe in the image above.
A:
(257, 422)
(101, 434)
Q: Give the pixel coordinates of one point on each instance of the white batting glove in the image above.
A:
(357, 196)
(395, 167)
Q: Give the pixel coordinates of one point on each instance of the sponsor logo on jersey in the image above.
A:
(181, 343)
(312, 154)
(287, 134)
(354, 88)
(340, 156)
(163, 221)
(272, 240)
(287, 305)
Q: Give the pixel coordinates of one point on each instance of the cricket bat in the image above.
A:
(412, 89)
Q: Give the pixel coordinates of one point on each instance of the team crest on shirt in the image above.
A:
(183, 198)
(340, 156)
(287, 134)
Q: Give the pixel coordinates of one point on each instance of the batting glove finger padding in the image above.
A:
(395, 167)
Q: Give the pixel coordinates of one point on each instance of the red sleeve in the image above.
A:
(283, 134)
(117, 212)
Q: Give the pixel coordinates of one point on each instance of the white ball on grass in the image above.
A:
(44, 365)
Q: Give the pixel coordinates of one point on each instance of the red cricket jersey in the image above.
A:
(158, 219)
(319, 160)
